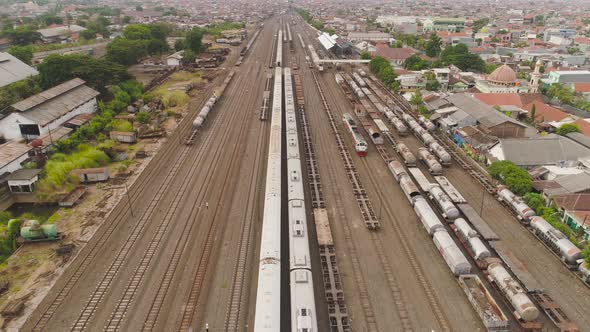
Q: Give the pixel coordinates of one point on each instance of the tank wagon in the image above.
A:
(268, 296)
(397, 123)
(407, 155)
(443, 156)
(523, 211)
(442, 200)
(556, 240)
(428, 159)
(471, 240)
(360, 145)
(208, 107)
(524, 308)
(303, 308)
(426, 123)
(359, 80)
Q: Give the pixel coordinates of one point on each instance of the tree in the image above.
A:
(366, 55)
(415, 62)
(137, 32)
(126, 19)
(535, 201)
(126, 51)
(49, 19)
(87, 34)
(460, 56)
(433, 46)
(478, 24)
(139, 8)
(24, 35)
(143, 117)
(534, 113)
(416, 98)
(514, 177)
(97, 73)
(23, 53)
(433, 85)
(568, 128)
(193, 40)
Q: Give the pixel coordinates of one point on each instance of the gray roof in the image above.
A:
(13, 70)
(60, 31)
(482, 112)
(580, 138)
(55, 102)
(548, 150)
(569, 184)
(23, 174)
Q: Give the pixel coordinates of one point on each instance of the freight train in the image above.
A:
(303, 308)
(204, 112)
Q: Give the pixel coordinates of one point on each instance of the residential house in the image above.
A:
(48, 110)
(575, 209)
(396, 56)
(60, 33)
(539, 151)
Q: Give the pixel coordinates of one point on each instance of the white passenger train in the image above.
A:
(279, 53)
(303, 309)
(268, 295)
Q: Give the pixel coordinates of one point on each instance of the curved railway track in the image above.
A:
(116, 217)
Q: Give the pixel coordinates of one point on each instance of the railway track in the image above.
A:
(109, 276)
(116, 217)
(233, 311)
(393, 285)
(113, 323)
(191, 307)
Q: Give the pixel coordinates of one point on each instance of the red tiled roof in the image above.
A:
(545, 113)
(584, 126)
(389, 53)
(578, 202)
(514, 99)
(582, 87)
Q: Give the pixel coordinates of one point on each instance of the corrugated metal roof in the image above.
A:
(46, 95)
(326, 41)
(13, 70)
(14, 149)
(23, 174)
(542, 151)
(484, 113)
(60, 30)
(55, 102)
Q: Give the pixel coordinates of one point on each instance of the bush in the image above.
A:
(122, 125)
(143, 117)
(175, 98)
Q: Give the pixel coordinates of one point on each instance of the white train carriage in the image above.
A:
(524, 308)
(426, 123)
(268, 296)
(303, 309)
(584, 270)
(375, 135)
(360, 145)
(359, 80)
(426, 215)
(516, 203)
(471, 238)
(443, 156)
(556, 240)
(451, 253)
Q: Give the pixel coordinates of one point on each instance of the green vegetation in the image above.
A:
(57, 170)
(433, 45)
(415, 62)
(216, 30)
(97, 73)
(23, 53)
(366, 56)
(16, 91)
(537, 203)
(22, 35)
(416, 99)
(121, 125)
(567, 96)
(460, 56)
(478, 24)
(382, 69)
(138, 41)
(143, 117)
(98, 25)
(568, 128)
(514, 177)
(309, 19)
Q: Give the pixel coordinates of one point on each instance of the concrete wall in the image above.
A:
(9, 126)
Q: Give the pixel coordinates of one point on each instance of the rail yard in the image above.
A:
(301, 195)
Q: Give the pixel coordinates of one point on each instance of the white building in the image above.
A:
(13, 70)
(48, 110)
(175, 59)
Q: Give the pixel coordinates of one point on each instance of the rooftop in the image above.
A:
(548, 150)
(13, 70)
(483, 113)
(55, 102)
(14, 149)
(23, 174)
(60, 30)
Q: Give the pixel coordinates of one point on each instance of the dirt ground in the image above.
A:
(33, 269)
